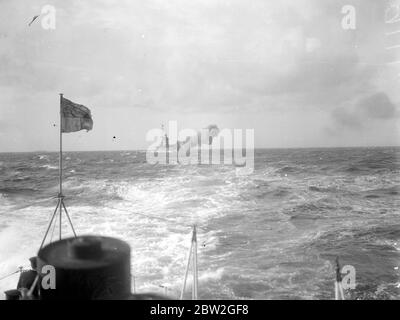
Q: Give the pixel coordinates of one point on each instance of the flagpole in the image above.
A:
(60, 161)
(60, 204)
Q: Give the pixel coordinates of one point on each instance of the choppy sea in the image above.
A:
(273, 234)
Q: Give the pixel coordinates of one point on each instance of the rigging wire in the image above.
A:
(9, 275)
(21, 269)
(52, 232)
(155, 217)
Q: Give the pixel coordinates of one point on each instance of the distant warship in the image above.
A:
(195, 141)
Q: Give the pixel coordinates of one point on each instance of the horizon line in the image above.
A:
(257, 148)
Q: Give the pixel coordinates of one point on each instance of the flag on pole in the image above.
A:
(75, 117)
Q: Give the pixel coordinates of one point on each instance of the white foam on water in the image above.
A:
(154, 214)
(48, 166)
(14, 252)
(211, 275)
(4, 203)
(20, 240)
(158, 248)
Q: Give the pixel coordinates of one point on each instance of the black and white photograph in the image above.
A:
(211, 150)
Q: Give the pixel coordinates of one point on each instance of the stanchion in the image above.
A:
(192, 257)
(339, 294)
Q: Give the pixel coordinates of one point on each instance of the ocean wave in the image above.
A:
(358, 243)
(322, 189)
(376, 164)
(18, 179)
(354, 169)
(211, 275)
(382, 192)
(43, 157)
(27, 167)
(310, 207)
(288, 169)
(372, 252)
(265, 235)
(48, 166)
(17, 191)
(277, 192)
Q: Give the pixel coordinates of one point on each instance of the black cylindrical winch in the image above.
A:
(86, 267)
(12, 294)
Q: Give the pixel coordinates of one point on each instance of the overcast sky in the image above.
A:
(286, 69)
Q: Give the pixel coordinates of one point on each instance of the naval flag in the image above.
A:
(75, 117)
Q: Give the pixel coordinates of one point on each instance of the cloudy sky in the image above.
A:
(286, 69)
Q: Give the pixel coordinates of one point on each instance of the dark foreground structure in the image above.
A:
(84, 268)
